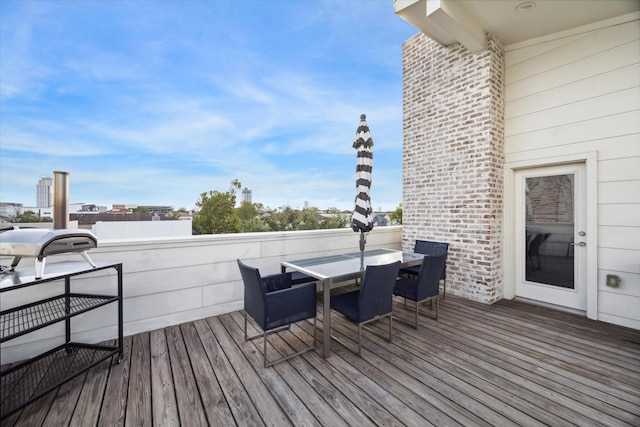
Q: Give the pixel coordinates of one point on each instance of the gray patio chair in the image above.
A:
(373, 301)
(428, 247)
(274, 305)
(424, 287)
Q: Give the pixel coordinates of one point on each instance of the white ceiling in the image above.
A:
(500, 18)
(449, 21)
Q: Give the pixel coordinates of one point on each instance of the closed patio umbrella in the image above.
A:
(362, 219)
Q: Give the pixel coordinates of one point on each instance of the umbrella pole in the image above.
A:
(363, 241)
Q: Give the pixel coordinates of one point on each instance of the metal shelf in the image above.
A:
(33, 379)
(22, 320)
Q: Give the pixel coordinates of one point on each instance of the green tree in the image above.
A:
(335, 219)
(309, 219)
(249, 214)
(217, 213)
(396, 216)
(290, 219)
(30, 216)
(140, 209)
(247, 211)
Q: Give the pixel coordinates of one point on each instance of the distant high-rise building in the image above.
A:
(246, 195)
(44, 193)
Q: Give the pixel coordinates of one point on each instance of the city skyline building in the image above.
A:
(246, 195)
(44, 193)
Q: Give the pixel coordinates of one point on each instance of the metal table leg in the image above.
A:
(326, 318)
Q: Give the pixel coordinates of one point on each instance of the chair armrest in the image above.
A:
(276, 282)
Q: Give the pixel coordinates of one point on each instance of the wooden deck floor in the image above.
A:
(500, 365)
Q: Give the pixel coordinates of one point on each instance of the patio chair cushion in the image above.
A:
(374, 298)
(428, 247)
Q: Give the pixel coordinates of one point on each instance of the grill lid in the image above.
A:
(38, 243)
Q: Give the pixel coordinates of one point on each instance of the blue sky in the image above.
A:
(155, 102)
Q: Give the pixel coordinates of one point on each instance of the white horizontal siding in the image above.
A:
(615, 80)
(623, 169)
(620, 309)
(578, 52)
(620, 214)
(580, 93)
(582, 111)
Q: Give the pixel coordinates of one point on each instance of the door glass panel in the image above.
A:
(550, 230)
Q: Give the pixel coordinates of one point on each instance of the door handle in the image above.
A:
(581, 244)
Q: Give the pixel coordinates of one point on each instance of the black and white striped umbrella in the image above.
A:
(362, 219)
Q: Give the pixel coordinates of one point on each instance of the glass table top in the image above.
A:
(351, 264)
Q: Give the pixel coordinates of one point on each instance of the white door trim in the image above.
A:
(591, 170)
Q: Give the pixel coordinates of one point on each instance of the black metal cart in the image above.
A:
(24, 382)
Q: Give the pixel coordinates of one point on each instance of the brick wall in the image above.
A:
(453, 155)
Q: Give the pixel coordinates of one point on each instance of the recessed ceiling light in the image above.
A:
(525, 7)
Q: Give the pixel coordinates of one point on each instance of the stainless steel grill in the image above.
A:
(39, 243)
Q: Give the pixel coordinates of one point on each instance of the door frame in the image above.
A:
(590, 160)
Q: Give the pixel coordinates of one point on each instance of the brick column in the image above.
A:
(453, 156)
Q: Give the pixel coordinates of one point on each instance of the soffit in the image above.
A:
(450, 21)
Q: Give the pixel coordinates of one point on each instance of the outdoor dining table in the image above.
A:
(339, 268)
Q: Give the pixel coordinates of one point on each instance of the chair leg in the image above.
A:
(417, 310)
(437, 305)
(268, 364)
(264, 350)
(390, 327)
(444, 288)
(315, 329)
(359, 336)
(246, 337)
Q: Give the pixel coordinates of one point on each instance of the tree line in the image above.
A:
(217, 214)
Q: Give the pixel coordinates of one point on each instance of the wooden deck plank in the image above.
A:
(484, 375)
(139, 387)
(453, 382)
(431, 406)
(324, 413)
(567, 393)
(213, 401)
(90, 400)
(163, 402)
(113, 410)
(267, 406)
(310, 366)
(188, 401)
(502, 383)
(609, 345)
(549, 359)
(584, 370)
(506, 364)
(290, 403)
(238, 399)
(562, 343)
(532, 375)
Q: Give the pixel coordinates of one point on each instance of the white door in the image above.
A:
(550, 235)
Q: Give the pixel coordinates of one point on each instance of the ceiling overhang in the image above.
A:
(511, 21)
(444, 21)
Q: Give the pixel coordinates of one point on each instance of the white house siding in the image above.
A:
(452, 159)
(579, 92)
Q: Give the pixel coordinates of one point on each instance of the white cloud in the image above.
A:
(155, 105)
